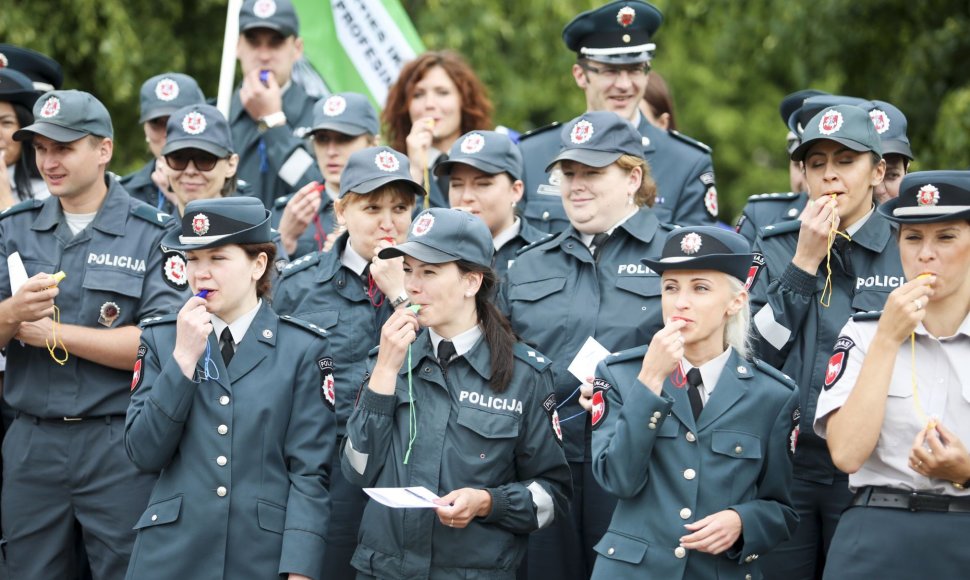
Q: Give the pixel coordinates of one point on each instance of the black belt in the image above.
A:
(914, 501)
(107, 419)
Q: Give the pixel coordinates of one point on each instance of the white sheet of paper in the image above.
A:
(16, 271)
(403, 497)
(584, 364)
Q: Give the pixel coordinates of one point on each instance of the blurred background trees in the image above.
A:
(728, 63)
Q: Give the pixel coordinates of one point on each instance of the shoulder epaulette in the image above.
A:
(669, 227)
(150, 214)
(780, 228)
(301, 263)
(281, 201)
(870, 315)
(774, 373)
(536, 243)
(787, 196)
(116, 177)
(153, 320)
(21, 207)
(313, 328)
(636, 352)
(530, 355)
(690, 141)
(538, 130)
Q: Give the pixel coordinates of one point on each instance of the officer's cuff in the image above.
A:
(500, 505)
(377, 403)
(798, 281)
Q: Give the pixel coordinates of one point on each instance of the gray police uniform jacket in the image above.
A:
(796, 334)
(505, 256)
(318, 288)
(766, 209)
(681, 167)
(244, 457)
(315, 235)
(114, 278)
(278, 161)
(668, 471)
(556, 296)
(467, 436)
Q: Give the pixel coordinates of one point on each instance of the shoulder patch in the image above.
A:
(21, 207)
(757, 264)
(625, 355)
(870, 315)
(173, 269)
(300, 264)
(837, 363)
(539, 130)
(690, 141)
(309, 326)
(598, 408)
(153, 320)
(788, 196)
(136, 371)
(785, 227)
(328, 392)
(530, 355)
(774, 373)
(150, 214)
(552, 409)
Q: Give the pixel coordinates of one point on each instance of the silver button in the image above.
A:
(652, 426)
(689, 474)
(738, 449)
(222, 429)
(748, 559)
(657, 415)
(154, 517)
(685, 513)
(611, 551)
(645, 141)
(626, 38)
(690, 437)
(221, 491)
(792, 212)
(742, 369)
(221, 460)
(680, 552)
(267, 333)
(224, 400)
(545, 216)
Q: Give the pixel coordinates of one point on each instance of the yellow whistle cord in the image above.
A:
(427, 187)
(917, 404)
(823, 300)
(53, 344)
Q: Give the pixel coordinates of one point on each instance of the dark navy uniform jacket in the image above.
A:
(682, 168)
(796, 334)
(505, 256)
(308, 243)
(244, 458)
(278, 161)
(556, 296)
(766, 209)
(467, 436)
(115, 260)
(141, 187)
(668, 470)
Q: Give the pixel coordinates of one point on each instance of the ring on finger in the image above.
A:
(918, 303)
(919, 463)
(452, 524)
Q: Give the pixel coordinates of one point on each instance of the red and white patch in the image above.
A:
(423, 224)
(328, 390)
(136, 376)
(880, 120)
(329, 393)
(194, 123)
(928, 195)
(3, 60)
(51, 108)
(556, 428)
(167, 90)
(830, 123)
(837, 363)
(757, 263)
(200, 224)
(598, 409)
(264, 8)
(710, 200)
(691, 243)
(796, 418)
(626, 16)
(386, 161)
(334, 106)
(173, 270)
(472, 144)
(582, 132)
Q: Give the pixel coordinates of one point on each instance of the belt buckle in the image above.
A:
(71, 419)
(928, 503)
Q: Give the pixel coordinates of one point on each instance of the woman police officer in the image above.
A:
(702, 472)
(461, 408)
(233, 405)
(896, 402)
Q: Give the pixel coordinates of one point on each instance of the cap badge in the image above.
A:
(108, 314)
(691, 243)
(166, 89)
(830, 123)
(334, 106)
(422, 225)
(472, 143)
(193, 123)
(880, 120)
(582, 132)
(928, 195)
(51, 108)
(386, 161)
(625, 16)
(3, 60)
(264, 8)
(200, 224)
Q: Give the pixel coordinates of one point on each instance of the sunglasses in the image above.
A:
(180, 160)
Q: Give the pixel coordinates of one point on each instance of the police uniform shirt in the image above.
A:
(508, 234)
(351, 259)
(238, 327)
(943, 381)
(710, 373)
(462, 342)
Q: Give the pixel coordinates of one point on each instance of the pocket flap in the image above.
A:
(487, 424)
(162, 512)
(113, 280)
(536, 289)
(642, 285)
(623, 548)
(324, 319)
(870, 300)
(736, 444)
(272, 518)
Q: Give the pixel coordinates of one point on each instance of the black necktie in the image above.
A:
(226, 345)
(693, 393)
(842, 249)
(597, 244)
(446, 352)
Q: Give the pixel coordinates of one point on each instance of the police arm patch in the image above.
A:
(757, 264)
(837, 363)
(328, 391)
(173, 269)
(598, 409)
(137, 375)
(550, 407)
(796, 417)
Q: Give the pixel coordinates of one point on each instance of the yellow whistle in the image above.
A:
(58, 276)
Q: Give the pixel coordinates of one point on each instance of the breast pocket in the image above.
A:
(110, 297)
(869, 300)
(539, 308)
(639, 307)
(738, 460)
(485, 445)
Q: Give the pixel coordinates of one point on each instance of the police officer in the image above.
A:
(469, 414)
(613, 46)
(233, 405)
(895, 412)
(75, 342)
(584, 283)
(703, 472)
(160, 96)
(484, 170)
(19, 177)
(350, 293)
(269, 113)
(836, 259)
(342, 124)
(891, 125)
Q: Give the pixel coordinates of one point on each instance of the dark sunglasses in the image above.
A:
(180, 160)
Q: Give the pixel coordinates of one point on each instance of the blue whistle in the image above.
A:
(264, 77)
(202, 293)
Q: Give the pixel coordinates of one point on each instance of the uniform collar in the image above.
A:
(587, 239)
(239, 327)
(508, 234)
(964, 329)
(463, 342)
(351, 259)
(477, 353)
(112, 215)
(875, 233)
(711, 370)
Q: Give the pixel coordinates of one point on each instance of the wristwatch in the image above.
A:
(272, 120)
(402, 299)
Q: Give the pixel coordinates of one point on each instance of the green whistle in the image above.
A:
(414, 308)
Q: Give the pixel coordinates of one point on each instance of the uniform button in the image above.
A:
(545, 216)
(742, 369)
(652, 426)
(657, 414)
(224, 400)
(221, 491)
(221, 460)
(738, 450)
(427, 369)
(747, 577)
(680, 552)
(222, 429)
(792, 212)
(685, 513)
(267, 333)
(689, 474)
(154, 517)
(611, 551)
(690, 437)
